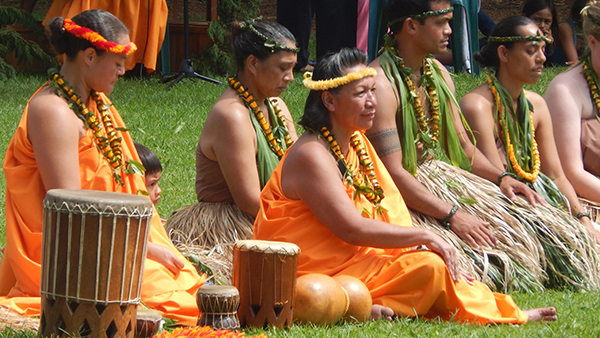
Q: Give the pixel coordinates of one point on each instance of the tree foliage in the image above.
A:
(26, 51)
(217, 57)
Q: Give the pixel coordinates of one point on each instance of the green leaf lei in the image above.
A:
(406, 120)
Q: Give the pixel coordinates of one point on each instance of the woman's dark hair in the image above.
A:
(532, 6)
(101, 22)
(330, 66)
(395, 9)
(246, 42)
(149, 159)
(488, 55)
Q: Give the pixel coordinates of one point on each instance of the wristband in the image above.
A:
(446, 220)
(506, 173)
(582, 214)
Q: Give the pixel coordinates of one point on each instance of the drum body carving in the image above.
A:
(218, 305)
(265, 274)
(93, 252)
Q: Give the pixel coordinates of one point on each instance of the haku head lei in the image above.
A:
(249, 25)
(593, 19)
(535, 38)
(421, 16)
(311, 84)
(96, 39)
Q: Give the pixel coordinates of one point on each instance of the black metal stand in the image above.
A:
(186, 70)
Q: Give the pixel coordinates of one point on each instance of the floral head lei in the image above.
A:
(421, 16)
(96, 39)
(534, 38)
(249, 25)
(311, 84)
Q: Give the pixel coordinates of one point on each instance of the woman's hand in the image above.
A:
(164, 256)
(448, 253)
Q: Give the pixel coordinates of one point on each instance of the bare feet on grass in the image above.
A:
(378, 312)
(547, 314)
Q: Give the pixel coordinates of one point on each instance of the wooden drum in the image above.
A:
(93, 252)
(218, 305)
(265, 274)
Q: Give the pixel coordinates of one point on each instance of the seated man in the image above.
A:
(333, 197)
(418, 118)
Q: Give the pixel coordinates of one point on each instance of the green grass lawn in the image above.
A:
(170, 123)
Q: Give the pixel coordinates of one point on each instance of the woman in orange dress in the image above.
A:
(57, 146)
(332, 196)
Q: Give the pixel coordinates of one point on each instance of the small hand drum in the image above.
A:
(265, 274)
(218, 305)
(93, 252)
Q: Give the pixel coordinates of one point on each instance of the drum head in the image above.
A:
(284, 248)
(97, 202)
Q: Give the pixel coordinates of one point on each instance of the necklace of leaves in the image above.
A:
(266, 129)
(105, 134)
(533, 162)
(591, 77)
(372, 191)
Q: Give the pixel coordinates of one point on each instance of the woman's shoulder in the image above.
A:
(477, 99)
(46, 104)
(228, 108)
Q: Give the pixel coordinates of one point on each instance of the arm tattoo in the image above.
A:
(385, 142)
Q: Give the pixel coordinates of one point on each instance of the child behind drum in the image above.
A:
(153, 171)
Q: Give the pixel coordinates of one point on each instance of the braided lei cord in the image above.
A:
(358, 178)
(526, 147)
(266, 129)
(105, 134)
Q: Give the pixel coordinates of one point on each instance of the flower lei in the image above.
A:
(105, 135)
(421, 16)
(592, 79)
(372, 191)
(311, 84)
(526, 146)
(203, 332)
(96, 39)
(266, 129)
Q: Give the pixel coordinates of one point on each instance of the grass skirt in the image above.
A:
(538, 247)
(205, 233)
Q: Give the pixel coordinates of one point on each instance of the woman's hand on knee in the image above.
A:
(448, 253)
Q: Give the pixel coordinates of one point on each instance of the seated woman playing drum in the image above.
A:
(512, 126)
(332, 196)
(245, 134)
(71, 137)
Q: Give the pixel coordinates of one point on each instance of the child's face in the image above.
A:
(152, 186)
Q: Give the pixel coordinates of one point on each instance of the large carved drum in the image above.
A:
(93, 252)
(265, 274)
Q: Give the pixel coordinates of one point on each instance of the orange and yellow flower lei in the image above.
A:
(434, 104)
(532, 176)
(266, 129)
(107, 140)
(202, 332)
(96, 39)
(373, 192)
(593, 86)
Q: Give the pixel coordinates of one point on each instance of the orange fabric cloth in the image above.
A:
(146, 21)
(174, 296)
(412, 283)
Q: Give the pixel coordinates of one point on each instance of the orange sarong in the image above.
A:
(412, 283)
(172, 295)
(146, 21)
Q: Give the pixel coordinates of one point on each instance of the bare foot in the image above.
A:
(547, 314)
(378, 312)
